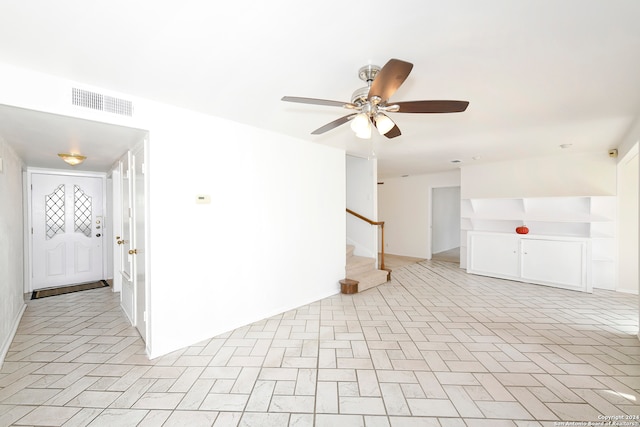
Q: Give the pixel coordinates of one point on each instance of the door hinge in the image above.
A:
(31, 230)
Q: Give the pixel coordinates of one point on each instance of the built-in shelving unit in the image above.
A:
(591, 217)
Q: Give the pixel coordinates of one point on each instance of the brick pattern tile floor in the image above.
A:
(433, 347)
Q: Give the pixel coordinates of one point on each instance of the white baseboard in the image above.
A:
(627, 291)
(9, 339)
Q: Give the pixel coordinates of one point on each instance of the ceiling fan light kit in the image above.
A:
(383, 123)
(365, 134)
(370, 103)
(361, 126)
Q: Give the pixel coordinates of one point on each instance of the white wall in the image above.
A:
(11, 246)
(628, 211)
(362, 198)
(272, 239)
(445, 219)
(404, 206)
(628, 189)
(627, 242)
(583, 174)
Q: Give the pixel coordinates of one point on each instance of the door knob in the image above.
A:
(120, 242)
(133, 251)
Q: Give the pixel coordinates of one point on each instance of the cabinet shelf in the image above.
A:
(585, 216)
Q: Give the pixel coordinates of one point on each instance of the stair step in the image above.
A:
(362, 270)
(350, 249)
(358, 264)
(369, 279)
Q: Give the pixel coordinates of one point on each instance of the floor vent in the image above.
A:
(100, 102)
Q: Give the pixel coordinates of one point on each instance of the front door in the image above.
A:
(67, 227)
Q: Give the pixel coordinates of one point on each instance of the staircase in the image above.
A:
(363, 270)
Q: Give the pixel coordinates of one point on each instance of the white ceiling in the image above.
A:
(537, 73)
(38, 137)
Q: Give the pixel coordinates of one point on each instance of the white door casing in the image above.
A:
(116, 229)
(67, 225)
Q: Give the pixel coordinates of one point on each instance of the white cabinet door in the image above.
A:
(493, 255)
(560, 263)
(563, 263)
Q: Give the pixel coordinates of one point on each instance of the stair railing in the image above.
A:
(378, 223)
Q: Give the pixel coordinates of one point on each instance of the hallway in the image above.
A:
(434, 347)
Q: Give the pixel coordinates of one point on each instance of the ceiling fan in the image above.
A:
(371, 103)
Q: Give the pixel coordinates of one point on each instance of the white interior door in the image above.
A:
(124, 243)
(67, 227)
(139, 240)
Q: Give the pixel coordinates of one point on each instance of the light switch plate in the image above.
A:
(203, 199)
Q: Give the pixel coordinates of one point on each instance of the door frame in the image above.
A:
(115, 213)
(28, 223)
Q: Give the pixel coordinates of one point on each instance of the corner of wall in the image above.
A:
(12, 304)
(4, 349)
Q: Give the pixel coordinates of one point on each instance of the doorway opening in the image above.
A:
(445, 224)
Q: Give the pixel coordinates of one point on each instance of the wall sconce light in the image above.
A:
(72, 159)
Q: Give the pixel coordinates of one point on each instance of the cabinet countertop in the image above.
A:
(532, 236)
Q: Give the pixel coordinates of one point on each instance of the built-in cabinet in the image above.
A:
(562, 231)
(546, 260)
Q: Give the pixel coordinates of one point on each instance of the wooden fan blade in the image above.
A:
(389, 79)
(431, 106)
(334, 124)
(395, 131)
(315, 101)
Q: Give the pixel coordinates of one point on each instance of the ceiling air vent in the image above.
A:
(100, 102)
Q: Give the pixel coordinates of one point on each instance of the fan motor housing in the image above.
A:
(359, 97)
(366, 74)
